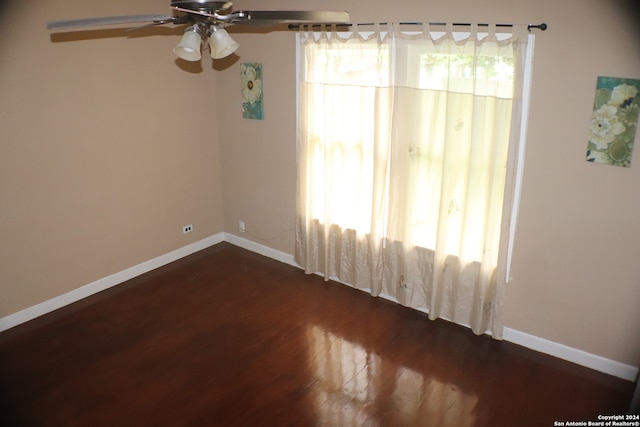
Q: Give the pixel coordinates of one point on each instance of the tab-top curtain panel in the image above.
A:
(406, 163)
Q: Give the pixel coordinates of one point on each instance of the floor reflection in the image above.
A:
(355, 387)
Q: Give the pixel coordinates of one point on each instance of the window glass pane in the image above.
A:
(445, 154)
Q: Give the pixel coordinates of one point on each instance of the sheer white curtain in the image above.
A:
(406, 156)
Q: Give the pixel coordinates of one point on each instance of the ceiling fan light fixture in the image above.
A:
(220, 43)
(189, 47)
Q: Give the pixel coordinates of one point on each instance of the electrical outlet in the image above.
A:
(187, 229)
(242, 226)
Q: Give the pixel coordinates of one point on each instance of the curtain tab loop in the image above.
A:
(376, 31)
(424, 30)
(520, 31)
(473, 32)
(333, 32)
(491, 33)
(324, 32)
(449, 29)
(393, 30)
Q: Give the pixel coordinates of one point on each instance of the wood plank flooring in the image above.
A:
(226, 337)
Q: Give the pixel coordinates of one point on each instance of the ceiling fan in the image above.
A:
(206, 20)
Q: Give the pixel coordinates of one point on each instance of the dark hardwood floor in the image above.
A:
(226, 337)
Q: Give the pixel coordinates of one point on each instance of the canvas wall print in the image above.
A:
(614, 121)
(252, 107)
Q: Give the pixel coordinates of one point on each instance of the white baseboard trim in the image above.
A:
(261, 249)
(579, 357)
(561, 351)
(82, 292)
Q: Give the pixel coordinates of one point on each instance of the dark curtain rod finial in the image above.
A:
(541, 27)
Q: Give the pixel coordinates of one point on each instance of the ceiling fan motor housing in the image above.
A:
(203, 5)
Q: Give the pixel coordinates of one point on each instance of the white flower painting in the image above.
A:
(605, 126)
(251, 76)
(614, 121)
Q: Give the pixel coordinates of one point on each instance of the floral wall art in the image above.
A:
(614, 121)
(251, 74)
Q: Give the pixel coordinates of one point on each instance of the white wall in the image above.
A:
(108, 148)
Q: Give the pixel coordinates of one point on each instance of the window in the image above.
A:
(405, 140)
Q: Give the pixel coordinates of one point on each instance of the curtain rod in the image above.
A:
(542, 27)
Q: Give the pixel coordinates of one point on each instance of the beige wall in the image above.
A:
(109, 147)
(576, 264)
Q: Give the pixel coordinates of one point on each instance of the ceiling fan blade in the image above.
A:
(261, 17)
(142, 27)
(177, 20)
(109, 20)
